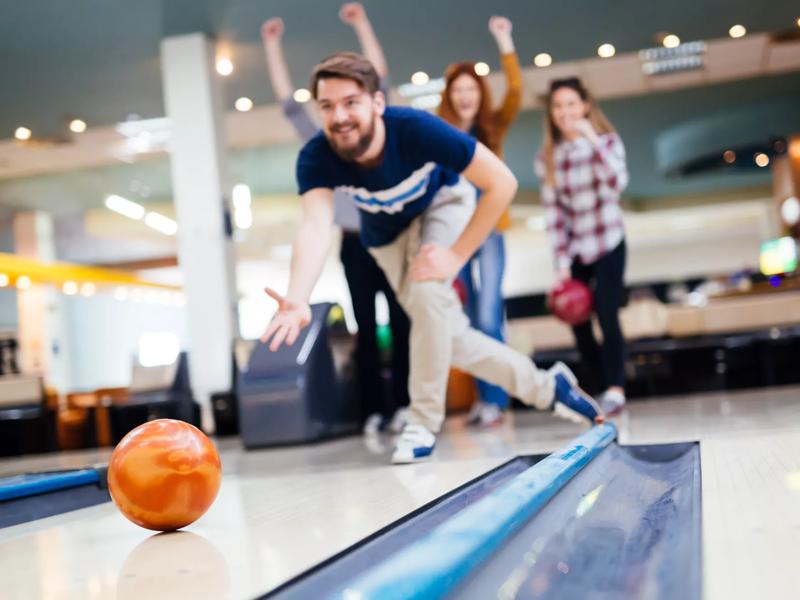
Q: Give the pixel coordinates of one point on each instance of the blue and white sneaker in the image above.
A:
(570, 401)
(415, 444)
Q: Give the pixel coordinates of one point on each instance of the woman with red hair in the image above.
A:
(467, 104)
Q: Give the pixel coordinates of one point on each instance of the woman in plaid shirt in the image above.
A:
(581, 167)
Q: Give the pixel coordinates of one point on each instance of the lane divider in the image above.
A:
(436, 564)
(32, 484)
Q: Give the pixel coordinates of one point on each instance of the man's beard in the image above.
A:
(353, 152)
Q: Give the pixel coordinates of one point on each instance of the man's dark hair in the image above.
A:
(346, 65)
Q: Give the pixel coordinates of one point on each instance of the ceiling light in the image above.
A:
(224, 66)
(22, 133)
(23, 282)
(762, 160)
(420, 78)
(77, 126)
(543, 59)
(161, 223)
(241, 196)
(243, 104)
(790, 211)
(729, 156)
(243, 218)
(482, 69)
(302, 95)
(88, 289)
(70, 288)
(3, 280)
(737, 31)
(606, 51)
(671, 41)
(121, 293)
(125, 207)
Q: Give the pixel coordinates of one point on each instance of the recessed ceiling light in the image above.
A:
(302, 95)
(23, 282)
(420, 78)
(161, 223)
(671, 41)
(242, 197)
(482, 69)
(543, 59)
(77, 126)
(22, 133)
(737, 31)
(606, 51)
(3, 280)
(762, 160)
(243, 104)
(125, 207)
(88, 289)
(729, 156)
(790, 211)
(70, 288)
(224, 66)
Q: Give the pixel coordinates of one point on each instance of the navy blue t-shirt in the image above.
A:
(422, 155)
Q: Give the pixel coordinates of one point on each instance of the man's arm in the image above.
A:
(498, 186)
(353, 14)
(309, 252)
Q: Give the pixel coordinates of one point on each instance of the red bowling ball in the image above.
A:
(571, 301)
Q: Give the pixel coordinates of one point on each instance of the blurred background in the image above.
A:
(117, 258)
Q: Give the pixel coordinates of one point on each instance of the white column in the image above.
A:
(201, 187)
(43, 336)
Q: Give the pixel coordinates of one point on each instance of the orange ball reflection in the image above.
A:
(164, 475)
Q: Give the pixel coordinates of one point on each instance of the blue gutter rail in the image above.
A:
(436, 564)
(21, 486)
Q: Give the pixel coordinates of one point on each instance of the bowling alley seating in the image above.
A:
(102, 417)
(730, 343)
(27, 421)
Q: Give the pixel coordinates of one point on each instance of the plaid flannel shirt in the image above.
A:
(582, 210)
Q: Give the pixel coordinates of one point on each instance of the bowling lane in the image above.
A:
(282, 511)
(273, 519)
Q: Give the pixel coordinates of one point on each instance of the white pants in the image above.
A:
(441, 335)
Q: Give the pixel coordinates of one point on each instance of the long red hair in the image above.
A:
(484, 126)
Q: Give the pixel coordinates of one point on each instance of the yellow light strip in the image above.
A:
(57, 273)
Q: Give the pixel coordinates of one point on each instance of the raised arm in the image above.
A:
(279, 78)
(500, 28)
(353, 14)
(272, 35)
(497, 185)
(309, 252)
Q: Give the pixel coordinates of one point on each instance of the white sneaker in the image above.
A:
(415, 444)
(612, 403)
(372, 426)
(399, 420)
(474, 414)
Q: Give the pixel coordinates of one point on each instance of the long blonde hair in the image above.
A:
(552, 134)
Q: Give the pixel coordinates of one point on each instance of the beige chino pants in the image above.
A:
(441, 335)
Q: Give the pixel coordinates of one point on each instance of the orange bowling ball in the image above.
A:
(164, 474)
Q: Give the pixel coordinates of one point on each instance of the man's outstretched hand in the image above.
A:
(288, 321)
